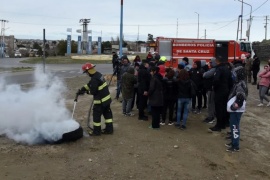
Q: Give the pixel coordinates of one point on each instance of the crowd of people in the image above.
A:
(170, 94)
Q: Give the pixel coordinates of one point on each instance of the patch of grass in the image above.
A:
(17, 69)
(62, 60)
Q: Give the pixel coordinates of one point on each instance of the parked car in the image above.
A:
(17, 55)
(6, 56)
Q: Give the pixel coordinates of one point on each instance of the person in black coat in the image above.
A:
(143, 87)
(255, 68)
(155, 94)
(196, 75)
(222, 84)
(114, 59)
(169, 95)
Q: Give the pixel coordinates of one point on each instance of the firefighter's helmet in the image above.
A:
(163, 59)
(87, 66)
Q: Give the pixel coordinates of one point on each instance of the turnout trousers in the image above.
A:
(99, 110)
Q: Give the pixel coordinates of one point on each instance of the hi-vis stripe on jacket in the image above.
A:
(99, 88)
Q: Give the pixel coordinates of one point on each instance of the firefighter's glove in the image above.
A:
(81, 91)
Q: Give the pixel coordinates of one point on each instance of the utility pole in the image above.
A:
(198, 32)
(240, 16)
(121, 30)
(177, 29)
(250, 19)
(241, 20)
(205, 34)
(266, 23)
(44, 42)
(2, 40)
(138, 38)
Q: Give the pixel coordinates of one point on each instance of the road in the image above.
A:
(60, 70)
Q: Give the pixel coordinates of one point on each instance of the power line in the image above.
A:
(97, 24)
(244, 16)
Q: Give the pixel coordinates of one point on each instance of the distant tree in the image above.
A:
(20, 46)
(117, 41)
(62, 47)
(47, 46)
(140, 42)
(106, 44)
(54, 43)
(266, 42)
(113, 42)
(36, 46)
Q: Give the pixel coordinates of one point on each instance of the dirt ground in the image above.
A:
(136, 152)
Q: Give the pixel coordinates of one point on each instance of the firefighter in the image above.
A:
(162, 60)
(98, 87)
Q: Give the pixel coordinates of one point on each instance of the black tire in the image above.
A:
(71, 136)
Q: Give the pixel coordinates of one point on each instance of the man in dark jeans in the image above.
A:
(255, 68)
(144, 78)
(222, 84)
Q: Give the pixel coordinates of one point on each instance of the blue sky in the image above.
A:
(158, 17)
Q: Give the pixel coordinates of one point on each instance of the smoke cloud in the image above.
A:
(37, 115)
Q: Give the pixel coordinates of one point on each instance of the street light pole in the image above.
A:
(121, 30)
(241, 19)
(250, 19)
(198, 33)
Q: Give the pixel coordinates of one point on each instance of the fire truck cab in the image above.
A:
(174, 49)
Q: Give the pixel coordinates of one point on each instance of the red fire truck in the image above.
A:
(174, 49)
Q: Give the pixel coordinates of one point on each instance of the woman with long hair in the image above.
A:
(264, 85)
(184, 87)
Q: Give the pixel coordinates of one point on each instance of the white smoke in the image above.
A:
(37, 115)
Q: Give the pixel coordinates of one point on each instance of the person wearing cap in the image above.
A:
(98, 87)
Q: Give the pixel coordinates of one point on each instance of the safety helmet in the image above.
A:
(87, 66)
(163, 58)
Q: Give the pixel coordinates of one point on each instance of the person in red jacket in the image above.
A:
(264, 85)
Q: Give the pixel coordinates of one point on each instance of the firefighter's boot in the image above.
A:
(108, 129)
(96, 131)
